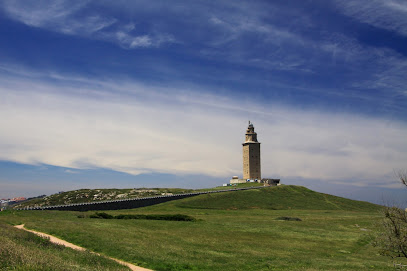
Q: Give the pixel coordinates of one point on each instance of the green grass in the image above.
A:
(21, 250)
(235, 231)
(240, 185)
(276, 198)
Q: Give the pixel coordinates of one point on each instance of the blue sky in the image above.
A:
(152, 93)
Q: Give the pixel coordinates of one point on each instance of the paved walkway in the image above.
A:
(58, 241)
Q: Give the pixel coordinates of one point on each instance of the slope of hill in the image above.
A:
(21, 250)
(275, 198)
(92, 195)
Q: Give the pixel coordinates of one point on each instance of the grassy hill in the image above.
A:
(233, 231)
(94, 195)
(276, 198)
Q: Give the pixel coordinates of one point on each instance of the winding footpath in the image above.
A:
(58, 241)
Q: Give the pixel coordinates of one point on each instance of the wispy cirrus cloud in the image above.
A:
(42, 13)
(375, 68)
(250, 35)
(289, 49)
(73, 18)
(235, 28)
(361, 65)
(60, 16)
(127, 40)
(386, 14)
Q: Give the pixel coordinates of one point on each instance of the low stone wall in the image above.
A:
(128, 203)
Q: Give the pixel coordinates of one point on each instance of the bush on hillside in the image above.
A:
(176, 217)
(101, 215)
(392, 238)
(287, 218)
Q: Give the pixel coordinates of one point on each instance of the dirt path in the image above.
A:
(56, 240)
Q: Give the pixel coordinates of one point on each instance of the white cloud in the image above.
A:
(133, 128)
(71, 171)
(129, 41)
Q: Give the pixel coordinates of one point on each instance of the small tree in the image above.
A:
(403, 176)
(392, 240)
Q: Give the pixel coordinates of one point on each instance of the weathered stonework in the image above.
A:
(251, 155)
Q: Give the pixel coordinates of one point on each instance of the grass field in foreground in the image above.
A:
(21, 250)
(334, 233)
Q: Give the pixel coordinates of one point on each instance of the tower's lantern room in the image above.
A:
(251, 135)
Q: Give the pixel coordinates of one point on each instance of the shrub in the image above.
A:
(287, 218)
(102, 215)
(176, 217)
(392, 238)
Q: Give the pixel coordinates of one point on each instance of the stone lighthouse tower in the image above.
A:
(251, 155)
